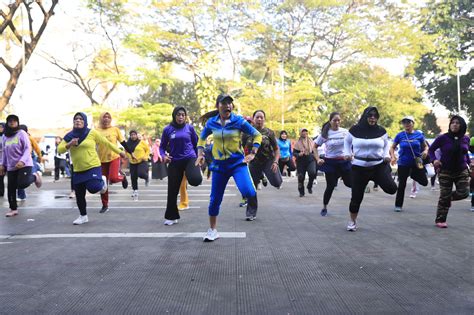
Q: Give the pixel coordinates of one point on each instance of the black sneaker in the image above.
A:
(324, 212)
(310, 190)
(264, 182)
(104, 209)
(301, 195)
(243, 203)
(250, 218)
(124, 182)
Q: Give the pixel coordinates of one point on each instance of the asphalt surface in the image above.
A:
(288, 261)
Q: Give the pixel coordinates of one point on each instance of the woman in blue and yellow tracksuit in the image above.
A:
(228, 156)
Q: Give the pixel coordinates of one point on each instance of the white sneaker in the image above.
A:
(351, 226)
(259, 186)
(72, 195)
(135, 195)
(413, 195)
(397, 209)
(104, 188)
(81, 220)
(472, 208)
(170, 222)
(433, 188)
(211, 235)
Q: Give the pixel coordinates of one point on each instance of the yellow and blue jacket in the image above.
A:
(227, 146)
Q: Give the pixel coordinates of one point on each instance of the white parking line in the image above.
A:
(122, 235)
(111, 206)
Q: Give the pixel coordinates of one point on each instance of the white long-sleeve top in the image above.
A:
(375, 149)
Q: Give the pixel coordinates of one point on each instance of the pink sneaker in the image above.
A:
(11, 213)
(442, 225)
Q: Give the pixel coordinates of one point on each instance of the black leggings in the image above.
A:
(93, 186)
(59, 166)
(176, 170)
(18, 179)
(2, 185)
(381, 174)
(138, 170)
(403, 172)
(306, 164)
(290, 165)
(331, 183)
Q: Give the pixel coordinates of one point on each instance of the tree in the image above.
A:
(450, 24)
(430, 126)
(359, 85)
(149, 118)
(28, 42)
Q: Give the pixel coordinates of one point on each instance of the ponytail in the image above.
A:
(327, 125)
(204, 118)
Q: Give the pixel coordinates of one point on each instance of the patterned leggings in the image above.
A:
(446, 194)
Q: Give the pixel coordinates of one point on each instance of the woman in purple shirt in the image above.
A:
(452, 166)
(180, 140)
(17, 162)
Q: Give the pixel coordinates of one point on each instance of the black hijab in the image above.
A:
(3, 126)
(365, 131)
(457, 137)
(174, 123)
(132, 144)
(8, 131)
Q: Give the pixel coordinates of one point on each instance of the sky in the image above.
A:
(47, 103)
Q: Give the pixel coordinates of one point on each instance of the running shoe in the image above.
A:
(397, 209)
(211, 235)
(301, 195)
(433, 188)
(72, 195)
(243, 203)
(472, 208)
(351, 226)
(104, 209)
(259, 186)
(11, 213)
(324, 212)
(264, 182)
(250, 218)
(135, 195)
(367, 190)
(170, 222)
(104, 188)
(183, 208)
(81, 220)
(310, 190)
(124, 182)
(147, 182)
(442, 225)
(20, 199)
(413, 195)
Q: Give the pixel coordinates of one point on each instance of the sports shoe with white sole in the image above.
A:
(81, 220)
(397, 209)
(105, 187)
(351, 226)
(170, 222)
(211, 235)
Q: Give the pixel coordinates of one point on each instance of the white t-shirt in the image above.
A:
(334, 143)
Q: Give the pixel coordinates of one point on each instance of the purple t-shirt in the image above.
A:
(180, 143)
(15, 149)
(446, 144)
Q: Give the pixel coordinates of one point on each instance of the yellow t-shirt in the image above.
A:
(114, 135)
(141, 153)
(84, 156)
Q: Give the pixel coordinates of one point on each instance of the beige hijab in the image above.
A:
(304, 145)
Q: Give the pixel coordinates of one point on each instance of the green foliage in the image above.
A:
(430, 126)
(359, 85)
(146, 118)
(450, 23)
